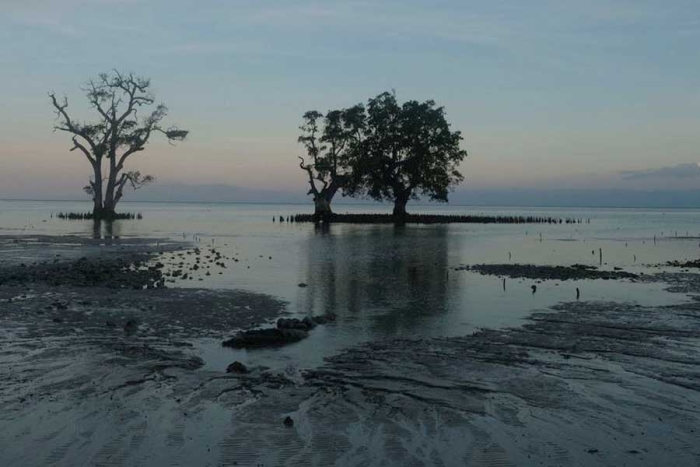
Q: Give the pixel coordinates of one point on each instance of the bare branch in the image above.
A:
(83, 149)
(68, 125)
(310, 172)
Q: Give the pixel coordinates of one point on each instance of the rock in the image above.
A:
(293, 323)
(303, 284)
(237, 367)
(306, 324)
(131, 326)
(310, 324)
(257, 338)
(539, 273)
(289, 422)
(323, 319)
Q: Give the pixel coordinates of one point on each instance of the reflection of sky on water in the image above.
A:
(385, 281)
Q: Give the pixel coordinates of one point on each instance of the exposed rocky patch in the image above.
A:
(685, 264)
(114, 273)
(288, 331)
(257, 338)
(531, 271)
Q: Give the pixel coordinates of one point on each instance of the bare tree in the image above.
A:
(120, 132)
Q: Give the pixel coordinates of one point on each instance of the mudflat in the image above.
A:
(102, 372)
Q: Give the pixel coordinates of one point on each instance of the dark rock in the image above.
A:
(131, 326)
(257, 338)
(685, 264)
(310, 324)
(302, 284)
(293, 323)
(289, 422)
(323, 319)
(530, 271)
(237, 367)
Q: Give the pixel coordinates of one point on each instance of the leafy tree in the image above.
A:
(409, 150)
(331, 143)
(121, 130)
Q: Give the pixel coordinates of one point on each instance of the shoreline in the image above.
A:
(602, 383)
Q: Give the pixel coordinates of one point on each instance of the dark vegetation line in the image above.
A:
(432, 219)
(84, 216)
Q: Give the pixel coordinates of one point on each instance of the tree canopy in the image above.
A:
(409, 151)
(387, 151)
(331, 142)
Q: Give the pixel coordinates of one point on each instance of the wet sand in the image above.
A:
(93, 375)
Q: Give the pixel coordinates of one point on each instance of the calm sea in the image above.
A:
(385, 281)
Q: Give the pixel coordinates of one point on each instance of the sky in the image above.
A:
(551, 94)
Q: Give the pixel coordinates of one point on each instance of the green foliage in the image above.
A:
(331, 143)
(409, 150)
(386, 151)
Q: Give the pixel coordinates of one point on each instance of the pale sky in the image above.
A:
(551, 93)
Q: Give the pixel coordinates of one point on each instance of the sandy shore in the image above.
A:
(97, 375)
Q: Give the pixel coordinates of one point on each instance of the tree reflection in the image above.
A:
(397, 276)
(105, 229)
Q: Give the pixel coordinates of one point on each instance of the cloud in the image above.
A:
(60, 17)
(682, 171)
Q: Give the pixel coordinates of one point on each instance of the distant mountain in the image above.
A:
(526, 197)
(494, 197)
(580, 198)
(222, 193)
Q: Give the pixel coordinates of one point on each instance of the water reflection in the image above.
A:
(393, 278)
(105, 229)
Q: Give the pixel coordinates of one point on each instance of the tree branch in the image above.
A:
(69, 126)
(309, 171)
(83, 149)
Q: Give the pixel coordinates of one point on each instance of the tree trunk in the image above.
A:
(322, 208)
(97, 190)
(322, 203)
(400, 204)
(108, 204)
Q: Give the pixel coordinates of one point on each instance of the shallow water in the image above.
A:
(385, 281)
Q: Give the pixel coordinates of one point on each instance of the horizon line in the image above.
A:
(271, 203)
